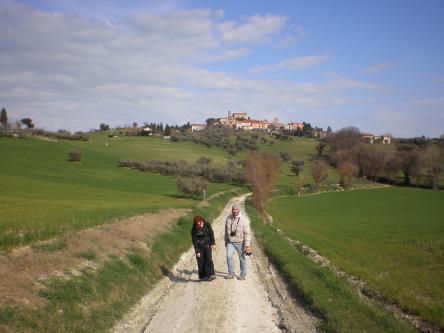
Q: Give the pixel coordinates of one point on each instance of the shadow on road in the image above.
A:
(184, 275)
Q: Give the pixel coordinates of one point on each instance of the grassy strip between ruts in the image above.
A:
(341, 308)
(93, 301)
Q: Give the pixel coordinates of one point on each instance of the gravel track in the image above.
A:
(182, 303)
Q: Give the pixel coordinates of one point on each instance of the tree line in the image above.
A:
(355, 158)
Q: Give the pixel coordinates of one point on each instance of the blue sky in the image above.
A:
(377, 65)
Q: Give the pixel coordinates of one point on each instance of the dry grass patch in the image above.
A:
(24, 271)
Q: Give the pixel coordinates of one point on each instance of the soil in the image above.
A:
(182, 303)
(24, 271)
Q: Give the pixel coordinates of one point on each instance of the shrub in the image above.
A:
(232, 151)
(203, 160)
(75, 156)
(220, 175)
(297, 167)
(191, 186)
(285, 156)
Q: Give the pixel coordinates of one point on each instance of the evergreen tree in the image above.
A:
(4, 118)
(27, 122)
(307, 128)
(329, 130)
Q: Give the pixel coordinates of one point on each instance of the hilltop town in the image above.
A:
(243, 122)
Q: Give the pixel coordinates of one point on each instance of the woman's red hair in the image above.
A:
(198, 218)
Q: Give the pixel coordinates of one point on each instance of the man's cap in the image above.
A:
(236, 206)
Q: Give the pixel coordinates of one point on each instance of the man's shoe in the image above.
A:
(230, 276)
(212, 277)
(241, 277)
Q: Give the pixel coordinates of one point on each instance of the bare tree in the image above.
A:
(409, 163)
(319, 172)
(348, 171)
(372, 160)
(432, 160)
(342, 155)
(392, 165)
(262, 171)
(345, 138)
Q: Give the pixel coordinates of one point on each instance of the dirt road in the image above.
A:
(182, 303)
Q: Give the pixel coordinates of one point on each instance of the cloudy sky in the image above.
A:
(73, 64)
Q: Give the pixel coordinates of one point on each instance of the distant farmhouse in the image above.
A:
(294, 126)
(197, 127)
(384, 139)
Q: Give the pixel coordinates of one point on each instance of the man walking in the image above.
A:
(237, 238)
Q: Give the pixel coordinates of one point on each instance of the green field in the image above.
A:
(330, 297)
(94, 301)
(392, 238)
(43, 194)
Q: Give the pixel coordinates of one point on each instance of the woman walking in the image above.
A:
(203, 242)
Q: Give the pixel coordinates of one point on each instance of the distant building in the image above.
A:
(198, 127)
(318, 133)
(370, 138)
(294, 126)
(239, 115)
(387, 139)
(244, 125)
(148, 131)
(224, 121)
(259, 124)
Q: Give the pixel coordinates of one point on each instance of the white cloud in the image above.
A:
(226, 55)
(377, 68)
(339, 82)
(293, 39)
(429, 102)
(253, 29)
(73, 72)
(296, 63)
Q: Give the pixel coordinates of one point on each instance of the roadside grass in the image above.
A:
(340, 307)
(94, 301)
(392, 238)
(43, 195)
